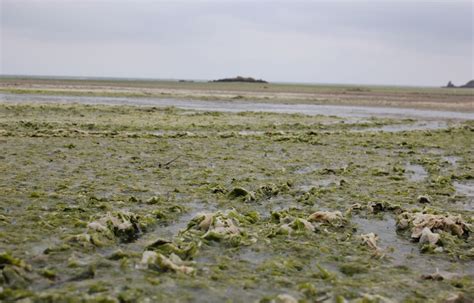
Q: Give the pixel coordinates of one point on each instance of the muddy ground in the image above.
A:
(142, 204)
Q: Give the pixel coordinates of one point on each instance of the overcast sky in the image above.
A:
(368, 42)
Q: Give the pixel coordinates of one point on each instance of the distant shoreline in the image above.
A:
(186, 80)
(377, 96)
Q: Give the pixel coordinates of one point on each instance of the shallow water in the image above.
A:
(308, 169)
(415, 172)
(452, 160)
(421, 125)
(403, 252)
(250, 133)
(235, 106)
(247, 254)
(319, 183)
(388, 239)
(465, 189)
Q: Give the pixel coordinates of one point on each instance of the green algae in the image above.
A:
(68, 166)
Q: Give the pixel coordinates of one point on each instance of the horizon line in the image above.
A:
(121, 78)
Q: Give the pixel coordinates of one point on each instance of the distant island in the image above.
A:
(469, 84)
(240, 79)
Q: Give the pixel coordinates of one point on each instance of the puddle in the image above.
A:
(453, 160)
(39, 248)
(251, 133)
(465, 189)
(403, 252)
(433, 151)
(415, 172)
(235, 106)
(253, 257)
(319, 183)
(421, 125)
(308, 169)
(172, 133)
(163, 133)
(277, 203)
(388, 238)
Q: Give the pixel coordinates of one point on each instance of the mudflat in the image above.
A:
(453, 99)
(115, 202)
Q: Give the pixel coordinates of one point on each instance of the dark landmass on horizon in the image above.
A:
(240, 79)
(469, 84)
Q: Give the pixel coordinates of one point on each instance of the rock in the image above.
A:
(240, 192)
(149, 257)
(355, 207)
(123, 224)
(439, 276)
(97, 226)
(457, 298)
(326, 217)
(154, 200)
(219, 189)
(303, 224)
(403, 224)
(297, 224)
(82, 239)
(370, 240)
(375, 207)
(184, 251)
(155, 260)
(284, 298)
(429, 237)
(270, 190)
(222, 228)
(217, 226)
(206, 222)
(418, 221)
(424, 199)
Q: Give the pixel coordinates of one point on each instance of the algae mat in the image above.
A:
(143, 204)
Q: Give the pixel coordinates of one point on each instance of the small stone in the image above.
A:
(326, 216)
(427, 236)
(238, 192)
(424, 199)
(96, 226)
(285, 298)
(166, 264)
(370, 240)
(457, 298)
(149, 257)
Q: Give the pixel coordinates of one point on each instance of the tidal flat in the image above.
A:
(108, 203)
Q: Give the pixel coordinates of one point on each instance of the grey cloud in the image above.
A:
(144, 19)
(323, 41)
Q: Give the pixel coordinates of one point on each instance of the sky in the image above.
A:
(386, 42)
